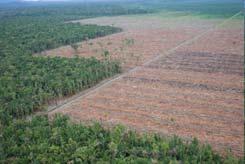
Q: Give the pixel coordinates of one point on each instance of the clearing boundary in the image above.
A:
(107, 82)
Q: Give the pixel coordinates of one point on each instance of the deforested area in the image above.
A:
(121, 81)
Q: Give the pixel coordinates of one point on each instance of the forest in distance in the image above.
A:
(29, 83)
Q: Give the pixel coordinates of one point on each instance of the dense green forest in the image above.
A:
(58, 141)
(72, 11)
(27, 83)
(41, 35)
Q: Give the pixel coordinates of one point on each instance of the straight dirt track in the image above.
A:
(194, 88)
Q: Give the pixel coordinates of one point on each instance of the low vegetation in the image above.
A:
(203, 8)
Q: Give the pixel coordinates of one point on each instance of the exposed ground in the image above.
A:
(144, 37)
(194, 91)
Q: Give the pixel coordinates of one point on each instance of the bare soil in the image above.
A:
(196, 91)
(143, 37)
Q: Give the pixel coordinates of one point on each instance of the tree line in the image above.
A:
(59, 141)
(28, 82)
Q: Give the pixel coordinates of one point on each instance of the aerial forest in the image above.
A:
(29, 83)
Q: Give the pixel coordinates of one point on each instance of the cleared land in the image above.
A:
(195, 91)
(143, 37)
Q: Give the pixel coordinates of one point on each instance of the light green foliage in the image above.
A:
(203, 8)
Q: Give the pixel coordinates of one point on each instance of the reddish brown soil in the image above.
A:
(151, 36)
(197, 91)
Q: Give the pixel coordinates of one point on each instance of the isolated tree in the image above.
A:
(106, 55)
(75, 47)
